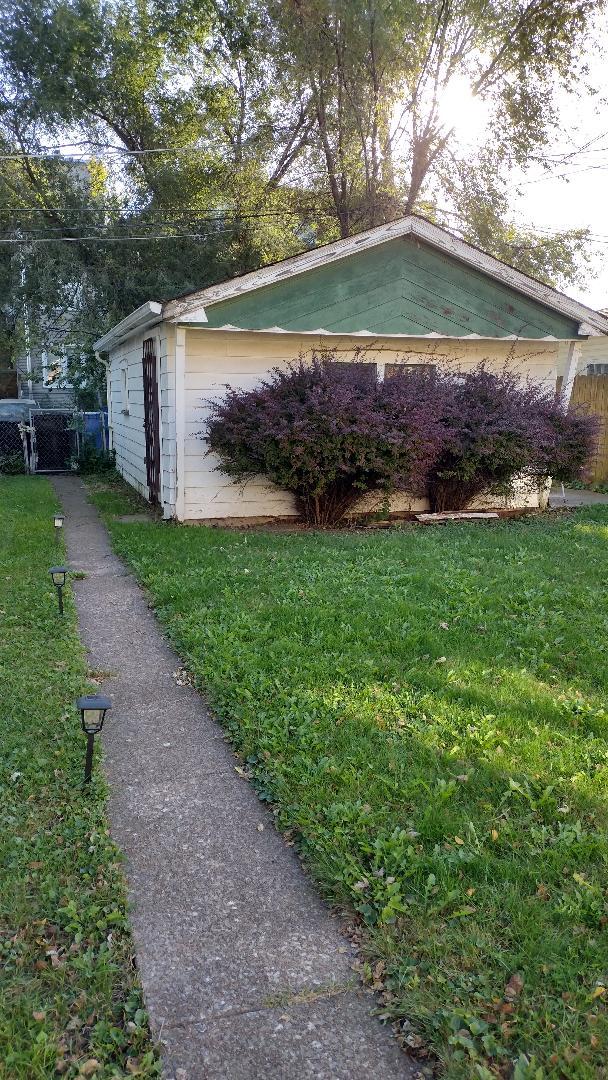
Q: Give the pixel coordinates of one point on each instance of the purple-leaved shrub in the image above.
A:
(499, 429)
(329, 432)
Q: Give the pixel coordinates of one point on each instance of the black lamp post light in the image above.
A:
(92, 715)
(58, 521)
(58, 576)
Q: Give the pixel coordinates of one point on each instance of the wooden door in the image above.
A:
(151, 421)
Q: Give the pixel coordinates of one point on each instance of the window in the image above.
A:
(55, 369)
(368, 371)
(390, 370)
(124, 389)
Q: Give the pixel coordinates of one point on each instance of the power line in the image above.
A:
(110, 151)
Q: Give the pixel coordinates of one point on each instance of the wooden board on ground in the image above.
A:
(456, 515)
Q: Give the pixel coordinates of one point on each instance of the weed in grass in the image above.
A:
(427, 712)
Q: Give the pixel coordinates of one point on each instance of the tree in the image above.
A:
(220, 135)
(377, 74)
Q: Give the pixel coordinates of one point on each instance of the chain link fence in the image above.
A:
(14, 449)
(48, 440)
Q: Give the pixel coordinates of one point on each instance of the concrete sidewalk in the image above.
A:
(245, 972)
(573, 497)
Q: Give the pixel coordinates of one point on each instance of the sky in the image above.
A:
(574, 193)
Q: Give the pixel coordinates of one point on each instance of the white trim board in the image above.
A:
(143, 318)
(369, 335)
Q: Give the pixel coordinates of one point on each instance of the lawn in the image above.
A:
(425, 710)
(70, 1004)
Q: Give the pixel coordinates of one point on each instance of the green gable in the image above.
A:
(403, 286)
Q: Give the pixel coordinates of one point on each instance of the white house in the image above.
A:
(409, 291)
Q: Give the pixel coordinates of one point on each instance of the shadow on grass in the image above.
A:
(425, 711)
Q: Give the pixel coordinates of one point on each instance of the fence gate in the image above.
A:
(151, 421)
(53, 440)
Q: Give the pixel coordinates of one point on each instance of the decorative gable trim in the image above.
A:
(191, 309)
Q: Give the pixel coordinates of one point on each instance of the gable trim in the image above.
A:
(192, 308)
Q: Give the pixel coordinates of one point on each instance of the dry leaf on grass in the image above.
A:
(514, 986)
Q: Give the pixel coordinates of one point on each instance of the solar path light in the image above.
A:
(92, 715)
(58, 521)
(58, 575)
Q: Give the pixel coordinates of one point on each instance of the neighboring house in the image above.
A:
(593, 356)
(42, 378)
(409, 291)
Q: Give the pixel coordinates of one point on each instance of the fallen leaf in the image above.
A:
(260, 827)
(514, 986)
(444, 626)
(89, 1067)
(39, 1016)
(598, 992)
(494, 834)
(441, 660)
(458, 840)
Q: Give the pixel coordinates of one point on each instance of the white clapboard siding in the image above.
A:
(593, 350)
(127, 429)
(216, 359)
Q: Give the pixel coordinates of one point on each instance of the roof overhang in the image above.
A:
(143, 318)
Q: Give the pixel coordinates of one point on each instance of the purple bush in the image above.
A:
(498, 428)
(329, 432)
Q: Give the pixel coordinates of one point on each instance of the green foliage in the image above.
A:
(235, 133)
(68, 994)
(92, 460)
(426, 711)
(12, 464)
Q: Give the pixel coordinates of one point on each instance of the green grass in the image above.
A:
(426, 711)
(68, 992)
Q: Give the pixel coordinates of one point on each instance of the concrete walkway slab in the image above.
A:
(572, 497)
(246, 974)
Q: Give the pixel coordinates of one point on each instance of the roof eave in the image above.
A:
(143, 318)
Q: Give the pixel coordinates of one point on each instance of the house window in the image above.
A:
(390, 370)
(368, 371)
(55, 369)
(124, 389)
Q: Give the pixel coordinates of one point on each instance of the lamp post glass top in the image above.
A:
(58, 575)
(93, 712)
(58, 521)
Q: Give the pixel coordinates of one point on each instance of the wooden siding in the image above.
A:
(400, 287)
(127, 429)
(215, 359)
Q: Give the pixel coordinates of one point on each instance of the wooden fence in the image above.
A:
(591, 391)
